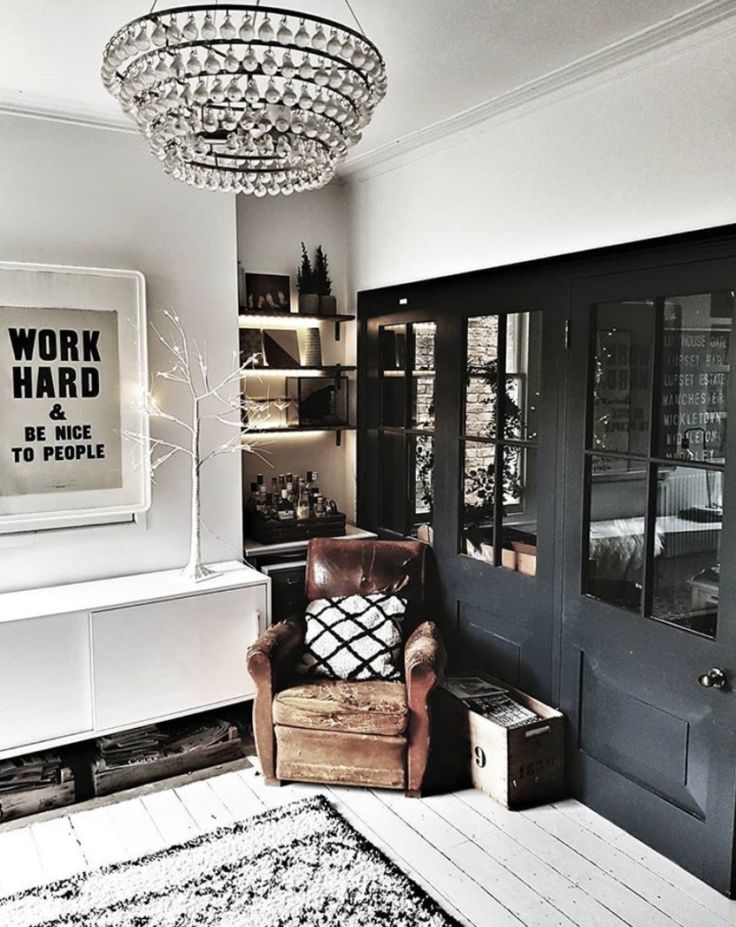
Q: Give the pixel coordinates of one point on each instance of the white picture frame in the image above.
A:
(119, 490)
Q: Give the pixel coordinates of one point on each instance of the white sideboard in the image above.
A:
(92, 658)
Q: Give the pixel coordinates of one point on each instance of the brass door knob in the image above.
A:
(714, 679)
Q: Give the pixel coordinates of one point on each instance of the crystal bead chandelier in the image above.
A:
(245, 98)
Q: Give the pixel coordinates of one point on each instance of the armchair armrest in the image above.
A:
(276, 649)
(271, 657)
(424, 664)
(424, 654)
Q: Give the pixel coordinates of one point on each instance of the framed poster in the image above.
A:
(73, 373)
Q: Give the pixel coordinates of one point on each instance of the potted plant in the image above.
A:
(323, 283)
(305, 284)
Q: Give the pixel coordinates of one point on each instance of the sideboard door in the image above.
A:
(45, 691)
(173, 657)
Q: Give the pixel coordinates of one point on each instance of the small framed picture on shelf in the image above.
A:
(281, 348)
(267, 293)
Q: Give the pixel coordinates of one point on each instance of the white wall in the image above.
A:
(95, 197)
(646, 150)
(270, 232)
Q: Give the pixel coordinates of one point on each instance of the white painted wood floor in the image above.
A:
(555, 866)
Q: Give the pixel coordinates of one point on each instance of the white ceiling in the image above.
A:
(442, 57)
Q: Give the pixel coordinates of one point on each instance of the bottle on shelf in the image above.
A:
(303, 510)
(285, 510)
(289, 497)
(270, 512)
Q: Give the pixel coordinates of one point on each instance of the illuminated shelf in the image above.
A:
(245, 317)
(304, 429)
(330, 371)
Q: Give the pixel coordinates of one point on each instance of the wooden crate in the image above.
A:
(516, 766)
(271, 531)
(106, 780)
(32, 801)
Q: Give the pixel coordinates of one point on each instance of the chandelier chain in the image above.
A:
(357, 21)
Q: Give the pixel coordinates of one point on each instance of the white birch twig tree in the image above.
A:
(216, 401)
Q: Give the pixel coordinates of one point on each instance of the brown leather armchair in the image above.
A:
(371, 733)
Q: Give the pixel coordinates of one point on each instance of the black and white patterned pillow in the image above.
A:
(354, 637)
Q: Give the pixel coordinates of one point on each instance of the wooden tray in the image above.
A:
(106, 780)
(270, 531)
(31, 801)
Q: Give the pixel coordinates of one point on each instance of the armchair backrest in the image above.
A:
(336, 566)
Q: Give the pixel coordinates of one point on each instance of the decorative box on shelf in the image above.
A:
(275, 531)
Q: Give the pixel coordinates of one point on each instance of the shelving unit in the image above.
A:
(285, 424)
(247, 316)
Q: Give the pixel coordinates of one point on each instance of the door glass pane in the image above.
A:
(622, 373)
(393, 375)
(616, 532)
(479, 468)
(393, 347)
(393, 486)
(523, 375)
(695, 373)
(482, 376)
(422, 405)
(422, 447)
(519, 525)
(687, 547)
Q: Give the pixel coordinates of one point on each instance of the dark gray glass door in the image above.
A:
(650, 506)
(458, 448)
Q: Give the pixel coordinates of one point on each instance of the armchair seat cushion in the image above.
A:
(364, 707)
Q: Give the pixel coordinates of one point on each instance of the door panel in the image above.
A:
(499, 644)
(175, 656)
(45, 689)
(641, 741)
(649, 505)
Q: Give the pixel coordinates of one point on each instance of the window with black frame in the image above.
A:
(406, 429)
(499, 439)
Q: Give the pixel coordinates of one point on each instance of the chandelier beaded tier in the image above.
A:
(245, 98)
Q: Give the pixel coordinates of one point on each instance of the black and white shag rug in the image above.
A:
(299, 865)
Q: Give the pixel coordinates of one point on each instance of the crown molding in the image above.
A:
(710, 14)
(17, 103)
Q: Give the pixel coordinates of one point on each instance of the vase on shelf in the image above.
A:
(328, 305)
(309, 303)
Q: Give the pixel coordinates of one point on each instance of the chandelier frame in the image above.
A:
(320, 138)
